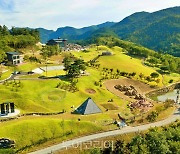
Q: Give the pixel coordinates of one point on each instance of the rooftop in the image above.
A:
(13, 53)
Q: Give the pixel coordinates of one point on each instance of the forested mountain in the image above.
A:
(158, 30)
(71, 33)
(44, 34)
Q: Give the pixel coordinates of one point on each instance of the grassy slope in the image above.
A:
(35, 96)
(54, 73)
(42, 96)
(23, 67)
(124, 63)
(91, 54)
(31, 132)
(30, 97)
(6, 75)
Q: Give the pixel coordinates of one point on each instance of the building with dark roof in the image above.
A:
(14, 58)
(88, 107)
(60, 42)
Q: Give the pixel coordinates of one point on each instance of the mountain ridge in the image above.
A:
(158, 30)
(70, 32)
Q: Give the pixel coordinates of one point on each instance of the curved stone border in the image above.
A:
(11, 76)
(30, 114)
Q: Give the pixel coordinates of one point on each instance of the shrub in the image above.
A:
(152, 116)
(168, 103)
(171, 81)
(96, 83)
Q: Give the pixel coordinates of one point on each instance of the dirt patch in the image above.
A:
(109, 106)
(142, 88)
(90, 91)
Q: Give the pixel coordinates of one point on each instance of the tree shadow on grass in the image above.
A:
(61, 77)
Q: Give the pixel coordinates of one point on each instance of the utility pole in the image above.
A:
(46, 67)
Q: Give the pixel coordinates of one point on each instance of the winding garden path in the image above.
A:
(124, 130)
(11, 77)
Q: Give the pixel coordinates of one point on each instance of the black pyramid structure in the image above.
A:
(88, 107)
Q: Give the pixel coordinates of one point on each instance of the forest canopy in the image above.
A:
(16, 38)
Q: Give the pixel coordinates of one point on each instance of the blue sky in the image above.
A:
(52, 14)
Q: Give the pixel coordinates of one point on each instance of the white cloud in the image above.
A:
(55, 13)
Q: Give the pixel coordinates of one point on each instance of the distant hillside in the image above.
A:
(159, 30)
(44, 34)
(162, 35)
(71, 33)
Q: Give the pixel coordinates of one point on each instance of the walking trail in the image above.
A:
(124, 130)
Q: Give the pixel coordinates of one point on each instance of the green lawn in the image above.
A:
(93, 52)
(23, 67)
(54, 73)
(174, 76)
(27, 66)
(43, 96)
(29, 76)
(6, 75)
(32, 132)
(123, 62)
(30, 96)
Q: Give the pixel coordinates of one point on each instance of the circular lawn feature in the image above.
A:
(90, 91)
(54, 95)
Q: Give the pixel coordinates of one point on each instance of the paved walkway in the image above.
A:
(10, 114)
(128, 129)
(52, 68)
(38, 71)
(11, 77)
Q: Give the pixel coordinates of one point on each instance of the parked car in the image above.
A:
(6, 143)
(30, 72)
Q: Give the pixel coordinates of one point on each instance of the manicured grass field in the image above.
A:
(27, 67)
(123, 62)
(33, 132)
(174, 76)
(6, 75)
(92, 53)
(30, 96)
(44, 96)
(54, 73)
